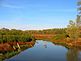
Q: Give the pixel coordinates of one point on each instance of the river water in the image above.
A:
(47, 51)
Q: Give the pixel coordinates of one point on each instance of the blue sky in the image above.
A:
(36, 14)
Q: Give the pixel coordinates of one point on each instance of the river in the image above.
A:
(47, 51)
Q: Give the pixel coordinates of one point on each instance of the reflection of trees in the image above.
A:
(45, 44)
(73, 55)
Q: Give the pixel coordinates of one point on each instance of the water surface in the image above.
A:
(47, 51)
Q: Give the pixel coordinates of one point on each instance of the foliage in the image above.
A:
(72, 30)
(48, 31)
(59, 37)
(13, 35)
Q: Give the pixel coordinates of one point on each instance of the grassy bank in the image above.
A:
(9, 51)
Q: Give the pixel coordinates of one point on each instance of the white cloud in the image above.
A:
(11, 6)
(58, 10)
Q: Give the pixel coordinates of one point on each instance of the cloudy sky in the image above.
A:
(36, 14)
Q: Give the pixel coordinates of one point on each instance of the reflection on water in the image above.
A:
(5, 54)
(47, 51)
(73, 55)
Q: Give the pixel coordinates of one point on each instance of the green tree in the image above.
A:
(72, 30)
(78, 21)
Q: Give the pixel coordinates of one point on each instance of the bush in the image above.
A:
(59, 37)
(14, 35)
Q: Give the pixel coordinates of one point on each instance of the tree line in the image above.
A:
(14, 35)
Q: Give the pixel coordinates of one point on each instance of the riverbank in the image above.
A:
(65, 42)
(68, 44)
(10, 49)
(11, 46)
